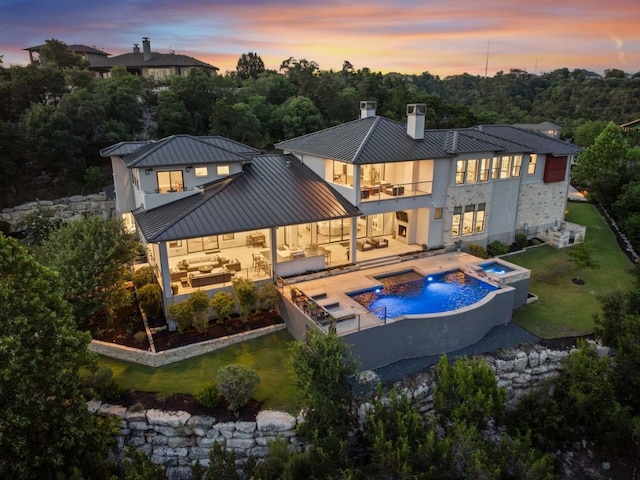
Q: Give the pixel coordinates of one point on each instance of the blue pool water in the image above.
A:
(496, 268)
(410, 293)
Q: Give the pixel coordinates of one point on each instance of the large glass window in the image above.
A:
(170, 181)
(495, 169)
(485, 164)
(480, 218)
(461, 165)
(533, 161)
(343, 173)
(467, 219)
(455, 223)
(505, 167)
(517, 165)
(472, 171)
(201, 171)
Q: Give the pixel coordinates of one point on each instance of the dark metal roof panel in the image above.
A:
(379, 139)
(274, 190)
(157, 60)
(230, 145)
(537, 142)
(180, 150)
(123, 148)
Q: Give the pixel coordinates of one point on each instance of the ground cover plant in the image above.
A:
(267, 355)
(563, 308)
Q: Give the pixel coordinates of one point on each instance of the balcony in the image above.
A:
(386, 190)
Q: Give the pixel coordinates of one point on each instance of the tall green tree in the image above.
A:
(297, 116)
(56, 53)
(46, 430)
(602, 168)
(322, 364)
(249, 65)
(92, 256)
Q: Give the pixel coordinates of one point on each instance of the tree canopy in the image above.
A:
(46, 429)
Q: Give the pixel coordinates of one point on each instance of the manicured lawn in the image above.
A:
(268, 355)
(565, 309)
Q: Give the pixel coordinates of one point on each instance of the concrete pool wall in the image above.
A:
(430, 334)
(375, 343)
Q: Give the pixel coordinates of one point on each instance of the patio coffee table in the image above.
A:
(205, 268)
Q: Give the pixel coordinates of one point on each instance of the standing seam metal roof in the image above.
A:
(274, 190)
(181, 150)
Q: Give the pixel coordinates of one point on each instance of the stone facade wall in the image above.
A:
(64, 208)
(178, 439)
(540, 202)
(157, 359)
(461, 195)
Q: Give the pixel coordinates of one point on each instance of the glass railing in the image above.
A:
(387, 190)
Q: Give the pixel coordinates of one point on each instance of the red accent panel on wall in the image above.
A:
(554, 169)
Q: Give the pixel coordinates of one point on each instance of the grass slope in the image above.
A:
(565, 309)
(267, 355)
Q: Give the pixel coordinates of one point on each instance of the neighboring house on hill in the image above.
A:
(154, 65)
(211, 209)
(547, 128)
(91, 54)
(145, 63)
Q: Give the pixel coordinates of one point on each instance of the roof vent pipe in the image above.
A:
(146, 49)
(416, 113)
(368, 109)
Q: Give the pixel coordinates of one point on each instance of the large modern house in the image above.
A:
(341, 199)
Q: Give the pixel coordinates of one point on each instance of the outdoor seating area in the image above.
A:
(370, 243)
(201, 279)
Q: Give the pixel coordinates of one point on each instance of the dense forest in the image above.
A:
(55, 117)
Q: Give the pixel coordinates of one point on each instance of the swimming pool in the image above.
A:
(409, 293)
(496, 268)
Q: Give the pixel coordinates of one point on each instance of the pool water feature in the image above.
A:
(409, 293)
(495, 268)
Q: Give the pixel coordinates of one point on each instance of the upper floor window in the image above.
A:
(222, 170)
(343, 173)
(505, 167)
(170, 181)
(201, 171)
(533, 161)
(485, 165)
(461, 169)
(472, 171)
(516, 166)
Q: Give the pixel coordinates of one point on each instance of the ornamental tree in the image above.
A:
(45, 429)
(91, 255)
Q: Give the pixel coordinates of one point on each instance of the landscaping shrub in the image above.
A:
(268, 296)
(139, 337)
(496, 248)
(208, 396)
(521, 240)
(143, 276)
(222, 304)
(245, 291)
(102, 383)
(150, 299)
(478, 250)
(237, 383)
(180, 312)
(199, 302)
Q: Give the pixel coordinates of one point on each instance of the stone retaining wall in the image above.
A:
(178, 439)
(64, 209)
(157, 359)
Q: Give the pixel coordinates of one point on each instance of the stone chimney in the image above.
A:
(146, 49)
(416, 113)
(136, 48)
(367, 109)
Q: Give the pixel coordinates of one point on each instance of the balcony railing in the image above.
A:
(387, 191)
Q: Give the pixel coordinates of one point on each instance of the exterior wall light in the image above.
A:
(188, 169)
(148, 171)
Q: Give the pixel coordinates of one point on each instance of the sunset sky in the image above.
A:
(443, 37)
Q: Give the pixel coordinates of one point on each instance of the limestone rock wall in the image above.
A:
(64, 209)
(178, 440)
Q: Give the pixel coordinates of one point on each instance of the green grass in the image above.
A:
(268, 355)
(564, 309)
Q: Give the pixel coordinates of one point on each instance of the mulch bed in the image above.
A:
(165, 340)
(186, 403)
(121, 329)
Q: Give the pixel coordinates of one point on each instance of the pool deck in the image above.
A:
(335, 288)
